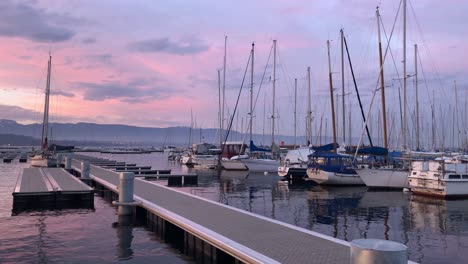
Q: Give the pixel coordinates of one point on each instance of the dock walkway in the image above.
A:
(50, 188)
(258, 238)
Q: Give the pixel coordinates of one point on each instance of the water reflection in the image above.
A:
(124, 228)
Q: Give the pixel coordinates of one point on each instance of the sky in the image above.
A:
(155, 63)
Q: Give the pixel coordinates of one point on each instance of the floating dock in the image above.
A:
(221, 232)
(50, 188)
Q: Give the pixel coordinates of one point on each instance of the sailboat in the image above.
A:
(259, 159)
(295, 162)
(390, 175)
(332, 168)
(45, 157)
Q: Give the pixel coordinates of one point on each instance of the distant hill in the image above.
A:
(122, 134)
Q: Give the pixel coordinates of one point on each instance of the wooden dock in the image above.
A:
(247, 237)
(51, 188)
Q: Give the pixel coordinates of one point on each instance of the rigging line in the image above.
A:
(288, 78)
(389, 39)
(431, 99)
(237, 103)
(261, 81)
(357, 91)
(377, 84)
(425, 45)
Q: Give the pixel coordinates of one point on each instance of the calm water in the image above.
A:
(436, 231)
(73, 236)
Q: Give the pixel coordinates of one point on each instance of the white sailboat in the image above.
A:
(258, 160)
(45, 157)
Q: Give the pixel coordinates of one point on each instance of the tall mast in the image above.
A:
(224, 85)
(274, 87)
(295, 112)
(343, 85)
(382, 83)
(45, 122)
(417, 94)
(331, 97)
(251, 89)
(404, 79)
(456, 111)
(220, 115)
(309, 110)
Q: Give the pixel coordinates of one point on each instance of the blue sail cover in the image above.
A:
(377, 151)
(254, 148)
(327, 147)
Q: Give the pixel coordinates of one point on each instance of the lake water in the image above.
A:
(435, 231)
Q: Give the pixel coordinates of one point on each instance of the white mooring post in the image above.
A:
(68, 160)
(126, 193)
(59, 160)
(85, 169)
(367, 251)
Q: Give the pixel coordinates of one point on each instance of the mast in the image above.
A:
(343, 85)
(331, 97)
(220, 115)
(417, 96)
(45, 122)
(456, 111)
(404, 79)
(295, 111)
(224, 85)
(251, 90)
(309, 110)
(382, 86)
(274, 87)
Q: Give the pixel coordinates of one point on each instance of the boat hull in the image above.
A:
(333, 178)
(292, 172)
(384, 177)
(261, 165)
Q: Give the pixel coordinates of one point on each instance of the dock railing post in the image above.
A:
(126, 202)
(85, 169)
(365, 251)
(68, 161)
(59, 160)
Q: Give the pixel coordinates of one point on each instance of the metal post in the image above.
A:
(126, 192)
(59, 160)
(85, 169)
(68, 160)
(365, 251)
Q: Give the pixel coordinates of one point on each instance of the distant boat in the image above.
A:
(45, 157)
(438, 178)
(329, 168)
(55, 147)
(259, 159)
(295, 163)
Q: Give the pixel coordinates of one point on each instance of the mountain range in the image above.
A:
(91, 133)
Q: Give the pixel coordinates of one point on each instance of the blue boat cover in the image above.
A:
(254, 148)
(379, 151)
(327, 147)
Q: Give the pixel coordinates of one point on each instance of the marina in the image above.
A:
(284, 139)
(346, 201)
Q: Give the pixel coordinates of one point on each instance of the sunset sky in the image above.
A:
(150, 63)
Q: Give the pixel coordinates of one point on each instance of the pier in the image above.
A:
(218, 233)
(205, 230)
